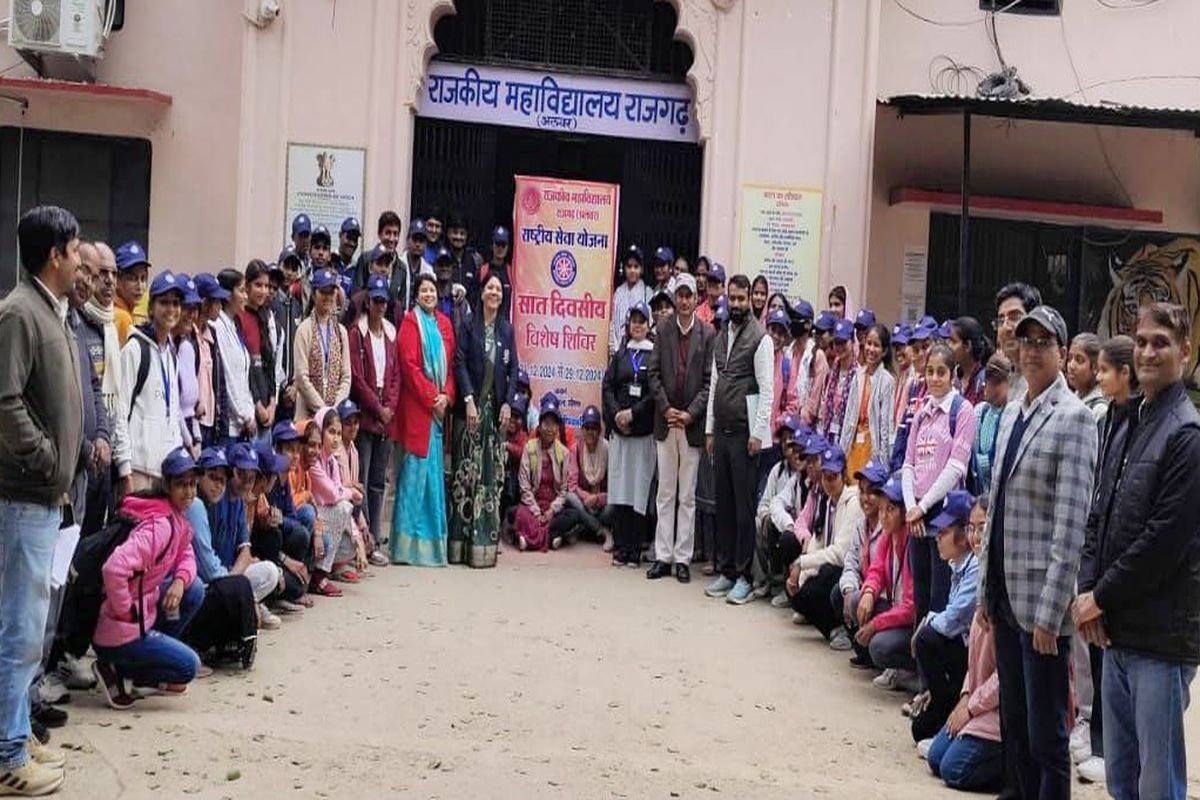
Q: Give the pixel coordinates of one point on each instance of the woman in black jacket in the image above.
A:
(629, 417)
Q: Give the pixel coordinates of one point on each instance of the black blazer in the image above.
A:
(469, 363)
(618, 382)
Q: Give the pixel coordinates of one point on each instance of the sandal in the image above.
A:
(346, 575)
(326, 589)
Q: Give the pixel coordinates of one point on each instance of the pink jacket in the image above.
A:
(325, 481)
(159, 546)
(879, 580)
(982, 685)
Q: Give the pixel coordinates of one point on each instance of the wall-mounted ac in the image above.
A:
(68, 27)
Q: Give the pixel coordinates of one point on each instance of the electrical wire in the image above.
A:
(956, 23)
(1132, 4)
(1133, 79)
(954, 78)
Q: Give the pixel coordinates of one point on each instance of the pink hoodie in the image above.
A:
(159, 546)
(882, 581)
(325, 476)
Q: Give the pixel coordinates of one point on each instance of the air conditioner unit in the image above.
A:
(58, 27)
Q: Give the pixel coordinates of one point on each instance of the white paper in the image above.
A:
(751, 411)
(64, 551)
(913, 280)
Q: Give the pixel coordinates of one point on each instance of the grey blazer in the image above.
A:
(1045, 508)
(879, 412)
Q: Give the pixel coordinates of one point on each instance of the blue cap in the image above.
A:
(902, 334)
(826, 321)
(833, 459)
(816, 445)
(500, 235)
(351, 225)
(550, 406)
(791, 422)
(285, 432)
(209, 288)
(321, 232)
(380, 253)
(191, 294)
(378, 288)
(716, 272)
(778, 317)
(269, 461)
(928, 322)
(324, 279)
(242, 456)
(956, 509)
(213, 458)
(633, 251)
(639, 307)
(288, 251)
(178, 462)
(347, 409)
(803, 309)
(417, 228)
(843, 330)
(520, 407)
(522, 378)
(721, 314)
(874, 472)
(591, 416)
(443, 253)
(800, 438)
(893, 489)
(301, 225)
(923, 331)
(165, 282)
(945, 329)
(664, 254)
(864, 319)
(130, 255)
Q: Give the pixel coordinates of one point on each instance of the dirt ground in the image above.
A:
(552, 676)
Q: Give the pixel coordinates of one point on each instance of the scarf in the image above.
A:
(433, 350)
(102, 318)
(838, 394)
(322, 366)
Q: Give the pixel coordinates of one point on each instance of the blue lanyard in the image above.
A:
(166, 379)
(635, 360)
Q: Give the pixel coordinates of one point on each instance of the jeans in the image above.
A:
(888, 649)
(189, 606)
(1144, 700)
(374, 453)
(28, 533)
(1034, 694)
(966, 762)
(812, 600)
(736, 482)
(156, 658)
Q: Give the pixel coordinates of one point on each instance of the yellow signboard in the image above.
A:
(781, 238)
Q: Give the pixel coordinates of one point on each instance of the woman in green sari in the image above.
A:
(485, 368)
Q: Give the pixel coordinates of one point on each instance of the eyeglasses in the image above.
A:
(1038, 342)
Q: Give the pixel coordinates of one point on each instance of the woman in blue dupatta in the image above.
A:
(426, 349)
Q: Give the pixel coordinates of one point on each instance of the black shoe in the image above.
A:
(49, 716)
(40, 731)
(683, 573)
(659, 569)
(861, 662)
(247, 651)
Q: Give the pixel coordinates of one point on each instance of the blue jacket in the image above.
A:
(469, 363)
(954, 622)
(208, 566)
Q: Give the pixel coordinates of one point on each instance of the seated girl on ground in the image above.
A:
(335, 507)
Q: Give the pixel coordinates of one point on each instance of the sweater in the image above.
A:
(982, 685)
(883, 581)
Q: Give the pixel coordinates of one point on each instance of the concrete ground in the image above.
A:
(552, 676)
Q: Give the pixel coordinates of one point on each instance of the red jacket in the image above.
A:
(414, 413)
(362, 374)
(899, 593)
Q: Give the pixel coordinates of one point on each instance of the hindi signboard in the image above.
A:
(559, 102)
(781, 238)
(564, 252)
(327, 183)
(913, 278)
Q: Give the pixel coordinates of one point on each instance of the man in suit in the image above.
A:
(680, 372)
(1046, 452)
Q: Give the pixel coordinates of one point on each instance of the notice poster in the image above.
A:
(912, 284)
(781, 238)
(564, 252)
(327, 183)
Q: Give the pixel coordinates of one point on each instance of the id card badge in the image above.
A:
(635, 390)
(860, 438)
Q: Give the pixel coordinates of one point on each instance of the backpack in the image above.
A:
(143, 372)
(900, 448)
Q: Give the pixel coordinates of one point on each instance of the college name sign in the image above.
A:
(559, 102)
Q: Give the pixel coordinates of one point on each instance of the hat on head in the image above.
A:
(923, 331)
(635, 252)
(443, 254)
(944, 330)
(591, 416)
(800, 438)
(664, 254)
(716, 273)
(242, 456)
(178, 462)
(381, 253)
(1048, 318)
(928, 322)
(191, 294)
(833, 459)
(826, 321)
(520, 407)
(213, 458)
(130, 255)
(791, 423)
(778, 317)
(324, 279)
(165, 282)
(816, 445)
(843, 330)
(500, 235)
(378, 288)
(347, 409)
(301, 225)
(901, 334)
(285, 432)
(288, 251)
(685, 280)
(874, 472)
(639, 307)
(269, 461)
(864, 319)
(522, 378)
(321, 232)
(209, 288)
(893, 489)
(549, 406)
(417, 228)
(803, 309)
(956, 510)
(351, 225)
(663, 297)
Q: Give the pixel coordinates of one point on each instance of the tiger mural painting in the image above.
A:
(1167, 273)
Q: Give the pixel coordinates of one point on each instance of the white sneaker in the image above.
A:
(31, 779)
(798, 618)
(840, 640)
(1081, 741)
(923, 747)
(52, 691)
(266, 619)
(1091, 771)
(886, 680)
(76, 673)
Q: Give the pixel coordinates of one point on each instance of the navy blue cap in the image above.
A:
(928, 322)
(664, 254)
(826, 321)
(833, 459)
(288, 251)
(945, 330)
(301, 224)
(379, 253)
(130, 255)
(417, 228)
(213, 458)
(864, 319)
(346, 409)
(635, 252)
(716, 272)
(242, 456)
(500, 235)
(778, 317)
(209, 288)
(816, 445)
(893, 489)
(902, 334)
(550, 406)
(591, 416)
(165, 282)
(721, 314)
(639, 307)
(378, 288)
(874, 472)
(178, 462)
(269, 461)
(843, 330)
(520, 407)
(351, 225)
(443, 253)
(285, 432)
(321, 232)
(522, 377)
(956, 509)
(923, 331)
(324, 279)
(191, 294)
(803, 309)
